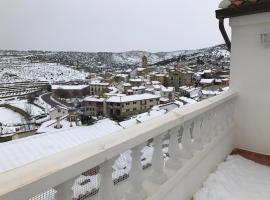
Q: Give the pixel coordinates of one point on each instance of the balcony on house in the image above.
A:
(168, 157)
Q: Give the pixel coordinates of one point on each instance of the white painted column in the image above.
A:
(157, 175)
(64, 190)
(106, 188)
(174, 161)
(136, 190)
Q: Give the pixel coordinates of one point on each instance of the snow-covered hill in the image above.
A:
(66, 66)
(130, 58)
(18, 68)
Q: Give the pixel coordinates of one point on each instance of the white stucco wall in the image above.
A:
(250, 78)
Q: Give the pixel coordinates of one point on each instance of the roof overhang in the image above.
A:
(249, 9)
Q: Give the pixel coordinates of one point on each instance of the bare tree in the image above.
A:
(31, 98)
(28, 109)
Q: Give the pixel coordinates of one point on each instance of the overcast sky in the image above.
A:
(108, 25)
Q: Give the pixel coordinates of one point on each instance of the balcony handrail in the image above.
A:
(38, 176)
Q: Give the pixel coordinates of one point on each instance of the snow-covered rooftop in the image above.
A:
(19, 152)
(138, 88)
(139, 69)
(94, 99)
(135, 97)
(69, 87)
(126, 84)
(206, 81)
(167, 89)
(97, 82)
(135, 80)
(187, 100)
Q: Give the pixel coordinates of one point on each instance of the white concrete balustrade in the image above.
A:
(186, 145)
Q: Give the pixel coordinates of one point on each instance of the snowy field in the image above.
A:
(27, 107)
(237, 179)
(9, 117)
(14, 69)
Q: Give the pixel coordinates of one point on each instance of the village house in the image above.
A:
(94, 106)
(138, 90)
(98, 88)
(121, 77)
(136, 82)
(124, 87)
(119, 107)
(168, 93)
(179, 78)
(162, 78)
(70, 91)
(189, 91)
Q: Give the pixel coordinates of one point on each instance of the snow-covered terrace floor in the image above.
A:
(237, 179)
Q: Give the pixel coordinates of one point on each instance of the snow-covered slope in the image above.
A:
(64, 66)
(18, 68)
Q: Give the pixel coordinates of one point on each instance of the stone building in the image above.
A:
(178, 78)
(144, 61)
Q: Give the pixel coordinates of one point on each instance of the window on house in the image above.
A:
(134, 102)
(127, 110)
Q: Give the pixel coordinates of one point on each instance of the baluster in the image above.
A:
(64, 190)
(232, 110)
(215, 122)
(229, 116)
(197, 134)
(136, 191)
(204, 130)
(174, 161)
(106, 188)
(157, 175)
(211, 131)
(223, 117)
(219, 126)
(186, 151)
(207, 129)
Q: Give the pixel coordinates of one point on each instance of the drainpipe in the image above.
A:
(224, 33)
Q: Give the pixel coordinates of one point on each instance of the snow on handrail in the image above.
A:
(57, 170)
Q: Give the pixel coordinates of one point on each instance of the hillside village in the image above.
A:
(44, 92)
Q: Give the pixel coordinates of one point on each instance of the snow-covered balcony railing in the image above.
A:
(186, 144)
